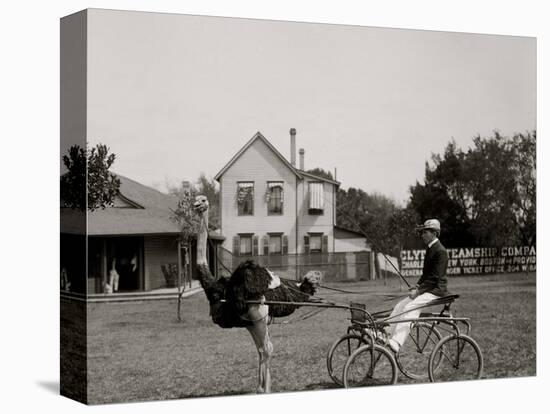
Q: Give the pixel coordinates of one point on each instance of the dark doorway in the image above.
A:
(124, 254)
(73, 263)
(110, 256)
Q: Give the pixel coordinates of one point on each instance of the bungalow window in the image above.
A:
(274, 198)
(245, 198)
(316, 198)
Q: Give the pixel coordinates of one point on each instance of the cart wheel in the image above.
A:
(414, 355)
(339, 353)
(456, 358)
(369, 366)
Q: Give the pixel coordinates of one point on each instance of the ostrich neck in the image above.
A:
(202, 238)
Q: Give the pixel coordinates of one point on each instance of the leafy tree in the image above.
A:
(483, 196)
(491, 187)
(400, 230)
(387, 226)
(319, 172)
(369, 214)
(88, 173)
(445, 197)
(525, 172)
(186, 217)
(205, 186)
(189, 224)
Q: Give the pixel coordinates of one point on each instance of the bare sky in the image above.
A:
(175, 95)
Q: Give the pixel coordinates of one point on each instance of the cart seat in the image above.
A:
(444, 300)
(358, 312)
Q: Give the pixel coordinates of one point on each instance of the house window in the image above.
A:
(316, 198)
(275, 243)
(315, 242)
(245, 244)
(274, 197)
(245, 198)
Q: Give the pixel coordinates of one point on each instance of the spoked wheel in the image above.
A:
(456, 358)
(339, 353)
(413, 357)
(369, 366)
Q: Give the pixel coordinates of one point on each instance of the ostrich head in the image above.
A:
(201, 204)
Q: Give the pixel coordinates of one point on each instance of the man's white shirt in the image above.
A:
(434, 241)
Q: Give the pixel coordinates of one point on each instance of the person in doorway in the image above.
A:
(65, 284)
(431, 285)
(112, 285)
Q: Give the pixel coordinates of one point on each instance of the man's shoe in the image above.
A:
(393, 345)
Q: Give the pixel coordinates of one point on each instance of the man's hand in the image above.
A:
(413, 292)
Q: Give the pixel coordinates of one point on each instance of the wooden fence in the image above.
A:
(335, 266)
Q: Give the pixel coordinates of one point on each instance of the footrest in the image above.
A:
(428, 314)
(434, 314)
(443, 300)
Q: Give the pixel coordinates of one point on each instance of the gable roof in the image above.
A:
(318, 177)
(257, 135)
(145, 211)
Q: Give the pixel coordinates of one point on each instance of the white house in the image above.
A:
(269, 206)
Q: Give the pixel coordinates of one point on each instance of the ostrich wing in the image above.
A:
(248, 282)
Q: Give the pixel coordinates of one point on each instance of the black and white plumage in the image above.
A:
(250, 282)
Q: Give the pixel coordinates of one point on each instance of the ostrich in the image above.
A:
(228, 297)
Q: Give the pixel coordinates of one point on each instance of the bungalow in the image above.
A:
(136, 236)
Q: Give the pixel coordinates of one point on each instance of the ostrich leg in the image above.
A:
(264, 346)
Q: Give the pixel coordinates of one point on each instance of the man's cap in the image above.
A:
(431, 224)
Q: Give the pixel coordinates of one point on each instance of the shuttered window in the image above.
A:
(275, 243)
(245, 244)
(315, 242)
(285, 244)
(316, 198)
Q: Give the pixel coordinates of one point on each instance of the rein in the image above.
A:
(308, 315)
(358, 292)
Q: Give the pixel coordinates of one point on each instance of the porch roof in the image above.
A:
(148, 213)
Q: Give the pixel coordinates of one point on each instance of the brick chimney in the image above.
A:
(302, 153)
(293, 146)
(186, 186)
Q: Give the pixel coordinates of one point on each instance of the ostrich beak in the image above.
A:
(200, 206)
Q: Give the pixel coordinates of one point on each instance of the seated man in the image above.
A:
(431, 285)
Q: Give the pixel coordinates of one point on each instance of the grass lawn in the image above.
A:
(138, 350)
